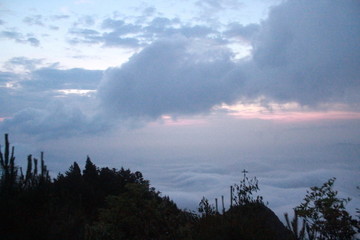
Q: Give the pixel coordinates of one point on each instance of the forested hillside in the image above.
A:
(106, 203)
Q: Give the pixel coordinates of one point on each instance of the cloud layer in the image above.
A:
(49, 102)
(174, 76)
(305, 52)
(308, 51)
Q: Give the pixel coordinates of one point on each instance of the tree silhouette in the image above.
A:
(205, 208)
(243, 193)
(247, 219)
(90, 172)
(325, 214)
(104, 203)
(138, 213)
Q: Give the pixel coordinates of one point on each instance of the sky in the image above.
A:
(189, 92)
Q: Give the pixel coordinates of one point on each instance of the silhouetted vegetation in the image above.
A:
(103, 203)
(247, 218)
(243, 193)
(325, 216)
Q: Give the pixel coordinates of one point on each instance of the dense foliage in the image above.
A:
(110, 204)
(324, 214)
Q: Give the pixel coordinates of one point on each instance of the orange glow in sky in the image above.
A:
(290, 112)
(297, 116)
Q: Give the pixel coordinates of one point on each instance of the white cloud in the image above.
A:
(56, 113)
(34, 20)
(23, 63)
(174, 76)
(242, 32)
(54, 121)
(52, 78)
(305, 52)
(20, 38)
(308, 51)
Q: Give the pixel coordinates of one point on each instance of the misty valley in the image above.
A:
(106, 203)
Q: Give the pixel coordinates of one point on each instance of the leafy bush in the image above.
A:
(325, 215)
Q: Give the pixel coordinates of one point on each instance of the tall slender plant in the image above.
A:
(293, 225)
(8, 168)
(243, 193)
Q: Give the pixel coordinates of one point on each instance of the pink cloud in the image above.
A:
(170, 121)
(297, 116)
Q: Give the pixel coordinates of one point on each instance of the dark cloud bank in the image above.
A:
(305, 51)
(308, 51)
(168, 77)
(37, 107)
